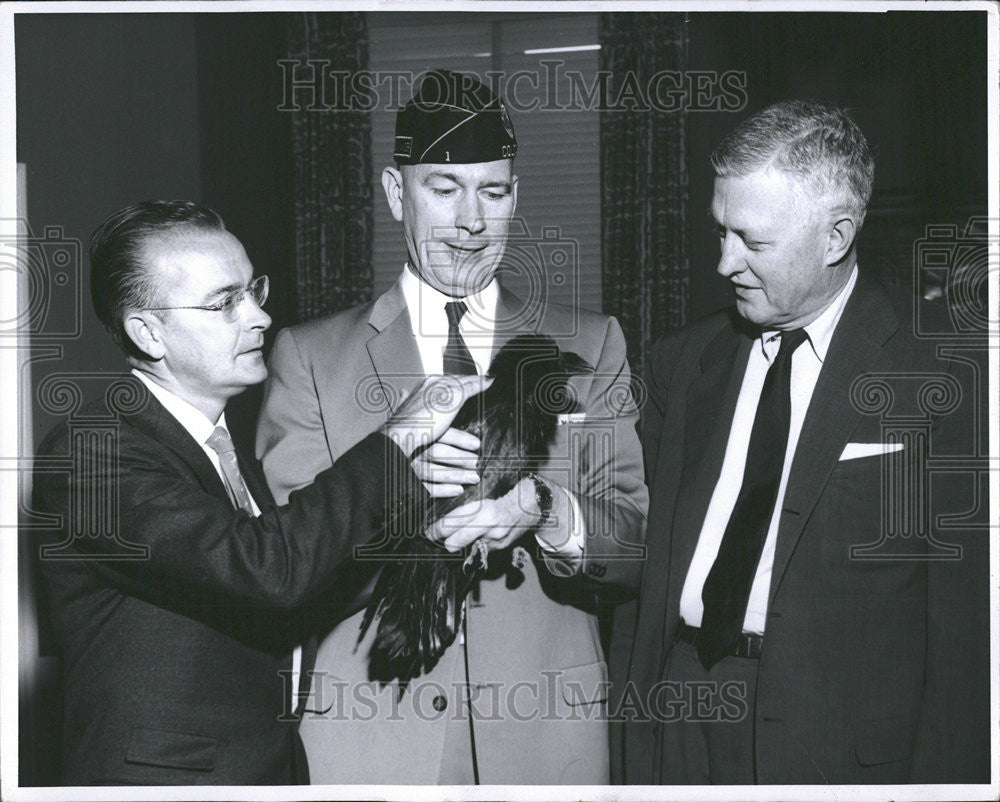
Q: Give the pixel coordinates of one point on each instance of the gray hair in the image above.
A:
(818, 143)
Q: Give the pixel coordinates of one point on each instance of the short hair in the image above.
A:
(120, 280)
(814, 141)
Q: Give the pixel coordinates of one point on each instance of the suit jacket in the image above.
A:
(875, 663)
(173, 629)
(535, 663)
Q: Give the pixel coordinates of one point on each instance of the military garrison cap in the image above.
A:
(453, 118)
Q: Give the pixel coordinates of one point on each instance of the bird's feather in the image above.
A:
(418, 597)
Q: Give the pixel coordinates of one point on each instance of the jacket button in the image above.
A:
(440, 703)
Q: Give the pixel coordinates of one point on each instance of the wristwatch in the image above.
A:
(543, 497)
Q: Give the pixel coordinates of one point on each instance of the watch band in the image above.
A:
(543, 497)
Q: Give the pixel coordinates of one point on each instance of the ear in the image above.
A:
(513, 192)
(145, 331)
(392, 183)
(840, 239)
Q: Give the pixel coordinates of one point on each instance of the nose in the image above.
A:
(730, 260)
(254, 316)
(470, 214)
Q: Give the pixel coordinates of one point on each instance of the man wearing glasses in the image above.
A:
(172, 586)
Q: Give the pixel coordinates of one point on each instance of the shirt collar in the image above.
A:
(194, 421)
(426, 306)
(820, 331)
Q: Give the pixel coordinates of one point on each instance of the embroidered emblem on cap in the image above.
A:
(404, 147)
(508, 126)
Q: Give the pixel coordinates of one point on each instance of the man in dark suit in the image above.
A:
(171, 588)
(795, 623)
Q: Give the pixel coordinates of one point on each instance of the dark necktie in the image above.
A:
(727, 587)
(457, 359)
(222, 444)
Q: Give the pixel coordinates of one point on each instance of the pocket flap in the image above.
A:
(584, 685)
(175, 750)
(884, 740)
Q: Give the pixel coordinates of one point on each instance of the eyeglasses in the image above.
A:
(256, 289)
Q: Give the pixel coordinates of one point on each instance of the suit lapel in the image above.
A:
(153, 420)
(253, 475)
(393, 349)
(513, 317)
(710, 406)
(856, 348)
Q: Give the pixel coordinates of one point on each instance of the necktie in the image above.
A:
(222, 444)
(727, 587)
(457, 359)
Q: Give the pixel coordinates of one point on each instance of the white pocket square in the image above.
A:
(570, 417)
(857, 450)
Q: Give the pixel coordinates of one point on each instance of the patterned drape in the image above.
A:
(331, 144)
(644, 180)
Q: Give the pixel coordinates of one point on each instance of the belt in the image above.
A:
(747, 645)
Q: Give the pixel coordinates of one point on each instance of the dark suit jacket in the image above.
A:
(173, 623)
(874, 669)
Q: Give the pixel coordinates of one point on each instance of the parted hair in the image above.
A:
(816, 142)
(119, 278)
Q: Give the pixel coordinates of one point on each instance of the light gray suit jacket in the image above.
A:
(536, 669)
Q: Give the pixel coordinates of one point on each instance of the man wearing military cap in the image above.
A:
(520, 697)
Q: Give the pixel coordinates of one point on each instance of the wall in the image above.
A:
(107, 115)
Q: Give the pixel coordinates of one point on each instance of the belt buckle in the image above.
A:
(750, 645)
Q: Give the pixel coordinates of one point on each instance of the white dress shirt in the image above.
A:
(429, 323)
(807, 361)
(197, 424)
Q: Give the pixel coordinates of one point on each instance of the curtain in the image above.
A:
(644, 178)
(331, 146)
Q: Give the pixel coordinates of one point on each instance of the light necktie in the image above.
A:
(726, 592)
(222, 444)
(457, 358)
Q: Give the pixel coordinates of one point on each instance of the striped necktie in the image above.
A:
(222, 444)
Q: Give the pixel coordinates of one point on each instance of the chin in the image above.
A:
(254, 375)
(471, 276)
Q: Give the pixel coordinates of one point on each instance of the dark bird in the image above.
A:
(418, 597)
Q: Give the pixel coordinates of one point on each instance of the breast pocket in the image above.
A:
(874, 511)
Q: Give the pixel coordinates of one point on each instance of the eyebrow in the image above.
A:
(227, 290)
(506, 185)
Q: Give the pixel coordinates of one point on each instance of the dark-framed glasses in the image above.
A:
(229, 306)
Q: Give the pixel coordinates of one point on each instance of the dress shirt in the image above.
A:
(429, 324)
(197, 424)
(807, 361)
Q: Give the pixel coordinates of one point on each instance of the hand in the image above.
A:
(425, 415)
(448, 464)
(497, 522)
